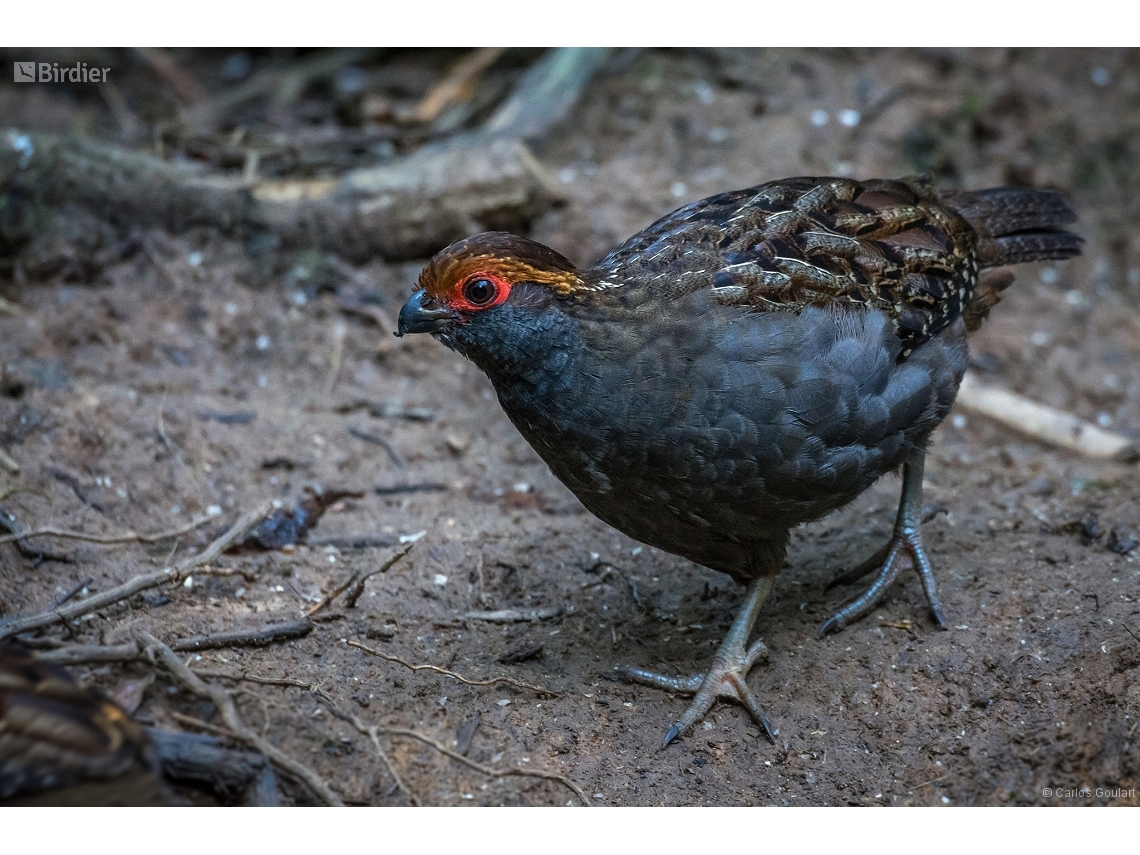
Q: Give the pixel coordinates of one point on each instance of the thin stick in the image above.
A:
(126, 537)
(518, 684)
(479, 767)
(224, 701)
(140, 583)
(515, 615)
(325, 697)
(84, 654)
(358, 580)
(246, 637)
(451, 88)
(376, 439)
(404, 788)
(336, 360)
(203, 725)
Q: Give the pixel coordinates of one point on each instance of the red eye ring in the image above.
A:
(480, 291)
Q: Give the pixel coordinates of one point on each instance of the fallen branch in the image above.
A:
(224, 701)
(138, 584)
(246, 637)
(479, 767)
(404, 209)
(1044, 423)
(518, 684)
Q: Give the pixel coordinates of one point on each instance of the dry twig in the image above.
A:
(357, 580)
(126, 537)
(1043, 423)
(456, 83)
(224, 701)
(515, 615)
(246, 637)
(141, 583)
(518, 684)
(479, 767)
(327, 699)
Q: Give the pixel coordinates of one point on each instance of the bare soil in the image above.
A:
(114, 380)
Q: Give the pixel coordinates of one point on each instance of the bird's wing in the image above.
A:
(800, 242)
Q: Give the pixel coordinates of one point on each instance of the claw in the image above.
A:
(725, 677)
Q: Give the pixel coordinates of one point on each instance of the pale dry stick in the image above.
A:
(518, 684)
(8, 463)
(479, 767)
(358, 579)
(140, 583)
(125, 537)
(458, 78)
(515, 615)
(1044, 423)
(224, 701)
(336, 360)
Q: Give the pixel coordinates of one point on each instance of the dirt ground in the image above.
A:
(195, 374)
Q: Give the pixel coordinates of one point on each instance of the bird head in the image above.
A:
(483, 295)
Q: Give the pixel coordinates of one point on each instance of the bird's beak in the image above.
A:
(415, 317)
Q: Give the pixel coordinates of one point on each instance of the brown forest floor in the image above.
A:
(110, 379)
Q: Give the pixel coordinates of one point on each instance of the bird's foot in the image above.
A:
(904, 550)
(725, 679)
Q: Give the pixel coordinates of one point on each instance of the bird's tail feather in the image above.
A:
(1019, 224)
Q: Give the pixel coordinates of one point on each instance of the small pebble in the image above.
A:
(262, 342)
(194, 259)
(849, 118)
(412, 538)
(504, 702)
(439, 579)
(214, 510)
(819, 118)
(189, 583)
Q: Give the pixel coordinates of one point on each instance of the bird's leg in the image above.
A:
(726, 676)
(905, 547)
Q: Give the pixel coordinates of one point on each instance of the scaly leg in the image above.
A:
(726, 676)
(905, 547)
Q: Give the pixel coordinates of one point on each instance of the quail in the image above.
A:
(749, 362)
(64, 745)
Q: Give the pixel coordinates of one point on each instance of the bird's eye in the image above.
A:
(479, 292)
